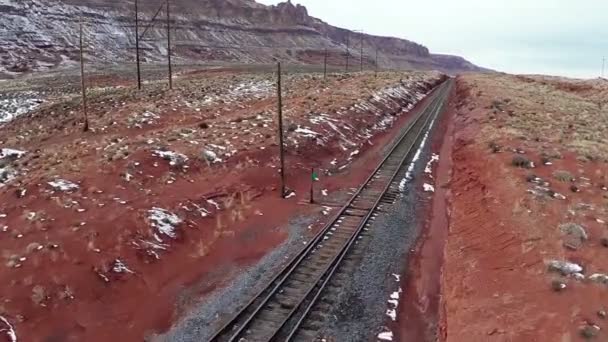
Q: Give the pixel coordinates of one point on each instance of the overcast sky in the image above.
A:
(558, 37)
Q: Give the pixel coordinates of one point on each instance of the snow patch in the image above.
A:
(408, 175)
(63, 185)
(306, 132)
(392, 313)
(146, 118)
(174, 158)
(9, 331)
(386, 336)
(164, 221)
(429, 166)
(402, 185)
(428, 187)
(599, 278)
(211, 157)
(120, 267)
(564, 267)
(214, 203)
(18, 104)
(7, 174)
(9, 152)
(252, 89)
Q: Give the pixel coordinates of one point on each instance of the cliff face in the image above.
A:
(43, 34)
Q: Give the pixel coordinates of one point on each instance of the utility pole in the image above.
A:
(376, 75)
(84, 89)
(280, 111)
(169, 45)
(347, 49)
(361, 34)
(603, 66)
(137, 46)
(325, 65)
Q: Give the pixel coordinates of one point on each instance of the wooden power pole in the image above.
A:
(325, 65)
(361, 34)
(169, 45)
(83, 83)
(280, 111)
(137, 45)
(347, 49)
(376, 62)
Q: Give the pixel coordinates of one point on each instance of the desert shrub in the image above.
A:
(552, 154)
(521, 161)
(563, 176)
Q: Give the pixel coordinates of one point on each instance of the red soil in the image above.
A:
(59, 292)
(495, 283)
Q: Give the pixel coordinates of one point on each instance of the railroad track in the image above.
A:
(279, 311)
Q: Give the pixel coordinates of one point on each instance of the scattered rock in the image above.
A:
(558, 285)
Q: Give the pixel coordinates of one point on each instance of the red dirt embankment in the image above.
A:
(507, 223)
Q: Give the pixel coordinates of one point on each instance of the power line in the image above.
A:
(153, 20)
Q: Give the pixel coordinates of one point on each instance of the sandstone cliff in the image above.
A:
(43, 34)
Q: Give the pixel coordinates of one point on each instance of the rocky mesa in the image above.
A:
(43, 34)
